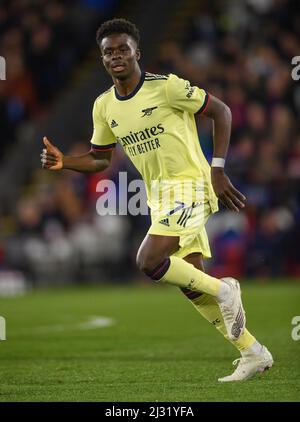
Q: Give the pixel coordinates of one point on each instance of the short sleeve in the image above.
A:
(103, 138)
(182, 96)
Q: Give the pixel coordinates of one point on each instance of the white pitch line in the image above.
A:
(92, 323)
(97, 322)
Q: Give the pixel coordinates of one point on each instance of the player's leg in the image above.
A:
(209, 308)
(154, 260)
(254, 357)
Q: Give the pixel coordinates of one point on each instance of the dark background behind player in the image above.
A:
(239, 51)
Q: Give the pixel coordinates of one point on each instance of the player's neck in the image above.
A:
(127, 86)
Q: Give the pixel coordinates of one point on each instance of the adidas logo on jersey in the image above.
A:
(165, 222)
(113, 124)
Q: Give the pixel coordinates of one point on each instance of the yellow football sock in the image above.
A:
(209, 309)
(183, 274)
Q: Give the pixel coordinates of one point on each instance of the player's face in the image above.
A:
(120, 55)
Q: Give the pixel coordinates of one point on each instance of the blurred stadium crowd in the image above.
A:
(41, 41)
(240, 52)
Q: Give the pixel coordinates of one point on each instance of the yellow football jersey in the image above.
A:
(155, 125)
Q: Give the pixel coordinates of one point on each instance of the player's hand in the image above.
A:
(230, 197)
(51, 157)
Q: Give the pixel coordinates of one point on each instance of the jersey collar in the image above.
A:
(132, 94)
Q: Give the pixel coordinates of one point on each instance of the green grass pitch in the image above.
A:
(157, 349)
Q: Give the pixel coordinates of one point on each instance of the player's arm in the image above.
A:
(93, 161)
(182, 96)
(221, 115)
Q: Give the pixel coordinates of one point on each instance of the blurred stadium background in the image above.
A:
(240, 51)
(51, 235)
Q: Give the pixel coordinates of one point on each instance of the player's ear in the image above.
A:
(138, 54)
(101, 54)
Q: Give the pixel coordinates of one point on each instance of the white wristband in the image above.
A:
(218, 162)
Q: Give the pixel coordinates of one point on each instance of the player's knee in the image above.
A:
(145, 263)
(152, 266)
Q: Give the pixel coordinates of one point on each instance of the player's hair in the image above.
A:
(117, 26)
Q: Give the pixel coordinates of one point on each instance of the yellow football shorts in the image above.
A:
(187, 222)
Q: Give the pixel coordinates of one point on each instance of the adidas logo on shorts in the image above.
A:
(165, 222)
